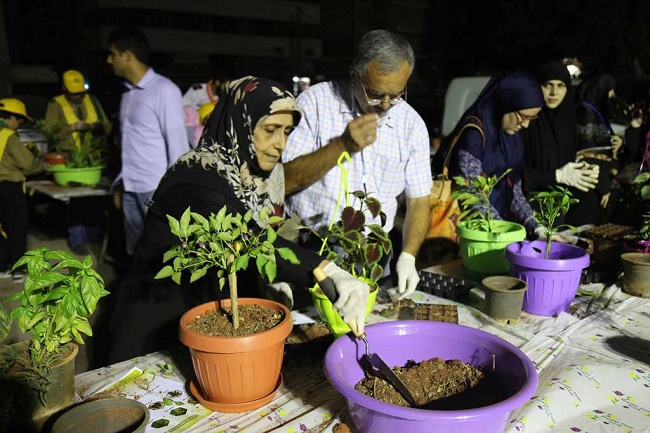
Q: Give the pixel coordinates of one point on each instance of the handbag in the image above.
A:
(445, 211)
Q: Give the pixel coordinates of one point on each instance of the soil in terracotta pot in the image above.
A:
(442, 385)
(252, 320)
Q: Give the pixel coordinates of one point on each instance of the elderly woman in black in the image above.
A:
(236, 164)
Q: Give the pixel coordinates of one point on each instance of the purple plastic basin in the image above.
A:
(397, 342)
(552, 282)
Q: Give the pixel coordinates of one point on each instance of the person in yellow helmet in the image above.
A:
(74, 117)
(16, 162)
(75, 113)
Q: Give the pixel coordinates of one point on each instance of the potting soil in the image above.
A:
(442, 385)
(252, 319)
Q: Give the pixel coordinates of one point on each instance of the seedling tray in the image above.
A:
(444, 286)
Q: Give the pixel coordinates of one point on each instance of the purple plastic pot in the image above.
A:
(552, 282)
(397, 342)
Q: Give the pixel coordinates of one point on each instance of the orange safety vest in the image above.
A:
(71, 118)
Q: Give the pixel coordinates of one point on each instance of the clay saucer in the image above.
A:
(247, 406)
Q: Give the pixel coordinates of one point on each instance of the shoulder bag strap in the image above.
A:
(478, 126)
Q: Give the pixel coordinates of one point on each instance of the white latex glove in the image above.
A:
(352, 295)
(407, 275)
(280, 292)
(540, 232)
(566, 236)
(578, 174)
(604, 200)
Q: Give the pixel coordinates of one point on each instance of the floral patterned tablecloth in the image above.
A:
(594, 374)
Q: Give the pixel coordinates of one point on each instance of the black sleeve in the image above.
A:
(535, 180)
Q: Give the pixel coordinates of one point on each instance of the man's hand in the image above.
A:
(80, 126)
(117, 199)
(360, 132)
(407, 275)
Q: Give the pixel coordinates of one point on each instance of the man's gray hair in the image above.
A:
(388, 50)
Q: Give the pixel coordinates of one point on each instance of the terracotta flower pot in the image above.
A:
(55, 158)
(236, 374)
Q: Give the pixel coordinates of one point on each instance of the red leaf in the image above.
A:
(374, 206)
(352, 219)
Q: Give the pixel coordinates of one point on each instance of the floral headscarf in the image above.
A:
(226, 150)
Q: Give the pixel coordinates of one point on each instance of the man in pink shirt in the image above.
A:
(152, 131)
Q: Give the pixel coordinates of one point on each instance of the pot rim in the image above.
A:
(218, 344)
(516, 256)
(408, 413)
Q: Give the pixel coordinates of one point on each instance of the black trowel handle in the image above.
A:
(326, 284)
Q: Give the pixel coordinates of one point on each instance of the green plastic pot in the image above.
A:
(88, 176)
(327, 313)
(483, 253)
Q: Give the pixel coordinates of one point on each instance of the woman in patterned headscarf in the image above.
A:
(237, 165)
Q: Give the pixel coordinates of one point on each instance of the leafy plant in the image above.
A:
(553, 204)
(60, 292)
(89, 154)
(473, 196)
(644, 231)
(354, 245)
(225, 242)
(643, 181)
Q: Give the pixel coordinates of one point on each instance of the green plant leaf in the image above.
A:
(174, 225)
(165, 272)
(197, 274)
(270, 270)
(271, 236)
(288, 255)
(241, 262)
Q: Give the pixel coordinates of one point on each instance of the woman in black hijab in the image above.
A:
(237, 165)
(551, 144)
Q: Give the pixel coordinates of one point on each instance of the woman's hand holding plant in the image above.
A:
(352, 294)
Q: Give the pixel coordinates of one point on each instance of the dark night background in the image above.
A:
(450, 37)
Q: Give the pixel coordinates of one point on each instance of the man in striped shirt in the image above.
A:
(387, 140)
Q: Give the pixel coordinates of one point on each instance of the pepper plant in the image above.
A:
(553, 204)
(473, 196)
(223, 241)
(59, 293)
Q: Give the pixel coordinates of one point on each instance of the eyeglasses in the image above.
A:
(373, 99)
(524, 118)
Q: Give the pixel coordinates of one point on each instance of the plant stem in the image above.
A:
(232, 282)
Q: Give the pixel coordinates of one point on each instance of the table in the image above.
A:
(66, 193)
(593, 365)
